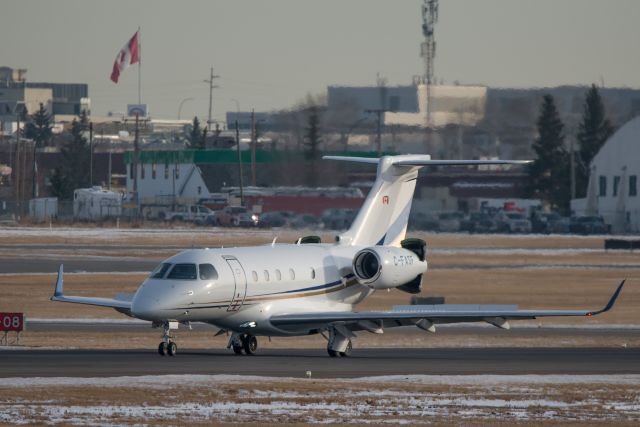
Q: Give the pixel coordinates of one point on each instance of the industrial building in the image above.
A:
(63, 100)
(613, 181)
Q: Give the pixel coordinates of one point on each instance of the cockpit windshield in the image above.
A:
(160, 271)
(208, 272)
(183, 272)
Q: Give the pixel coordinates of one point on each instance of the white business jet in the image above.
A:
(310, 287)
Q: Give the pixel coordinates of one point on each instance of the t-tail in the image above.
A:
(383, 218)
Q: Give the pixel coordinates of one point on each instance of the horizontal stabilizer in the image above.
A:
(372, 160)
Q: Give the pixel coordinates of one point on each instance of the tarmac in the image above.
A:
(296, 362)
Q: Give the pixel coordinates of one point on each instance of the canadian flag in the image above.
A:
(128, 55)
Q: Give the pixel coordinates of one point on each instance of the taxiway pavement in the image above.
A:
(296, 362)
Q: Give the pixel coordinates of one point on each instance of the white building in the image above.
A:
(167, 177)
(613, 183)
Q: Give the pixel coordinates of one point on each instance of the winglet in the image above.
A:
(59, 282)
(611, 302)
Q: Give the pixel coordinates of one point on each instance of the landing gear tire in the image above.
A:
(163, 349)
(250, 344)
(172, 349)
(333, 353)
(238, 349)
(347, 351)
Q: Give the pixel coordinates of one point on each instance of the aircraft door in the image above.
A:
(240, 291)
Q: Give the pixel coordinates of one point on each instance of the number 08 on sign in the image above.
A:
(11, 322)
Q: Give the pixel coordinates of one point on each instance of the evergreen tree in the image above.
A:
(195, 135)
(73, 171)
(312, 144)
(39, 127)
(550, 172)
(202, 142)
(593, 131)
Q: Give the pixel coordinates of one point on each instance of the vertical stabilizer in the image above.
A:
(383, 218)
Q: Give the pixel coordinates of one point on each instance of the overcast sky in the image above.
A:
(270, 54)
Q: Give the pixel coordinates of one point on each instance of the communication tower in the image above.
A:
(428, 47)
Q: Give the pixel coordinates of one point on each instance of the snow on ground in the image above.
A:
(418, 399)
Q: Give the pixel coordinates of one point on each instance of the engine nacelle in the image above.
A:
(384, 267)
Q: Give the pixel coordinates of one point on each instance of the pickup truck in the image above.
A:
(199, 215)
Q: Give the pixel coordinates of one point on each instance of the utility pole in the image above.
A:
(136, 151)
(90, 154)
(211, 87)
(239, 164)
(572, 161)
(254, 142)
(34, 177)
(18, 181)
(379, 112)
(109, 168)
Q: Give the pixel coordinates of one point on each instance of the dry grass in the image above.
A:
(296, 402)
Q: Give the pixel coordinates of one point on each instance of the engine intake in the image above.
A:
(384, 267)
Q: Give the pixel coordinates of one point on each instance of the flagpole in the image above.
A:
(139, 66)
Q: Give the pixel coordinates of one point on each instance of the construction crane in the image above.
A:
(428, 47)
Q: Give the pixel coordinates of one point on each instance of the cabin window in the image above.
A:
(266, 275)
(292, 274)
(313, 273)
(183, 272)
(207, 272)
(160, 270)
(278, 274)
(255, 276)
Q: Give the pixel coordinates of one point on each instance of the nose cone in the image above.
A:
(147, 303)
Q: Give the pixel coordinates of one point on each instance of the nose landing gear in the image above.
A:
(168, 347)
(243, 343)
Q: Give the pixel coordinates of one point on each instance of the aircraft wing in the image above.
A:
(427, 316)
(122, 303)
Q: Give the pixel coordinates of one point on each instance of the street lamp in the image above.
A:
(181, 104)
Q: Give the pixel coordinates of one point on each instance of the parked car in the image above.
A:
(479, 222)
(236, 216)
(513, 222)
(561, 225)
(547, 223)
(200, 215)
(588, 225)
(306, 221)
(450, 221)
(338, 218)
(423, 221)
(273, 219)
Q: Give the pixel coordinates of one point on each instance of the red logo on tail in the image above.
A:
(385, 200)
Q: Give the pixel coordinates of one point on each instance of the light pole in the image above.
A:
(181, 104)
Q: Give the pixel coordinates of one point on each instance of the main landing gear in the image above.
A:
(339, 342)
(243, 343)
(168, 347)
